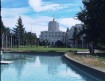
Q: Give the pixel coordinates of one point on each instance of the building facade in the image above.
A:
(70, 33)
(53, 34)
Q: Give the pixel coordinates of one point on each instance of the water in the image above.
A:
(41, 68)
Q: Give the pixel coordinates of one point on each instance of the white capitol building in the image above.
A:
(53, 34)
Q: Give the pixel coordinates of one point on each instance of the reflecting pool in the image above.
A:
(28, 67)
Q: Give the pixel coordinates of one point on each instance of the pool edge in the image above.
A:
(91, 70)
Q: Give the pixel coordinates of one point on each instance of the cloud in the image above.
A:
(37, 24)
(10, 22)
(40, 6)
(68, 22)
(13, 12)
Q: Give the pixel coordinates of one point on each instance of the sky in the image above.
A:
(36, 14)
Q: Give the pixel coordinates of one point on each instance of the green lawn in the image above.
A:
(43, 49)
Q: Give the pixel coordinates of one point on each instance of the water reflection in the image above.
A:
(42, 68)
(19, 66)
(51, 62)
(37, 62)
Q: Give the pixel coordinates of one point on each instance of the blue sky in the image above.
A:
(37, 13)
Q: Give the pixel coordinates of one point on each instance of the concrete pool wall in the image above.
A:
(91, 70)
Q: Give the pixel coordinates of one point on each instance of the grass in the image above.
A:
(43, 49)
(89, 59)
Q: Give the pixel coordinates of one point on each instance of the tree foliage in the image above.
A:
(30, 38)
(2, 26)
(19, 31)
(93, 18)
(59, 43)
(75, 33)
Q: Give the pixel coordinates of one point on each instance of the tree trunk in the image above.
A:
(91, 47)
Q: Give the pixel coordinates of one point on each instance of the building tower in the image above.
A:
(53, 25)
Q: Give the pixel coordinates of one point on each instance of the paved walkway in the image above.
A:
(87, 52)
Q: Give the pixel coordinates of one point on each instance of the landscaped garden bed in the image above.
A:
(92, 60)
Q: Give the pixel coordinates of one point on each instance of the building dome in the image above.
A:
(53, 26)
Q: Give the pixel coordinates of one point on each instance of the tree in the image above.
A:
(30, 38)
(59, 43)
(2, 27)
(75, 36)
(7, 36)
(93, 18)
(19, 32)
(45, 42)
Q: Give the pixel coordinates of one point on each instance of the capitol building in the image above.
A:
(53, 34)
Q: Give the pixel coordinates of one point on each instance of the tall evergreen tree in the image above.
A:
(2, 26)
(2, 29)
(19, 31)
(93, 18)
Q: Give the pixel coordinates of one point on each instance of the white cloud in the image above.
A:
(10, 22)
(40, 6)
(68, 22)
(69, 73)
(13, 12)
(36, 25)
